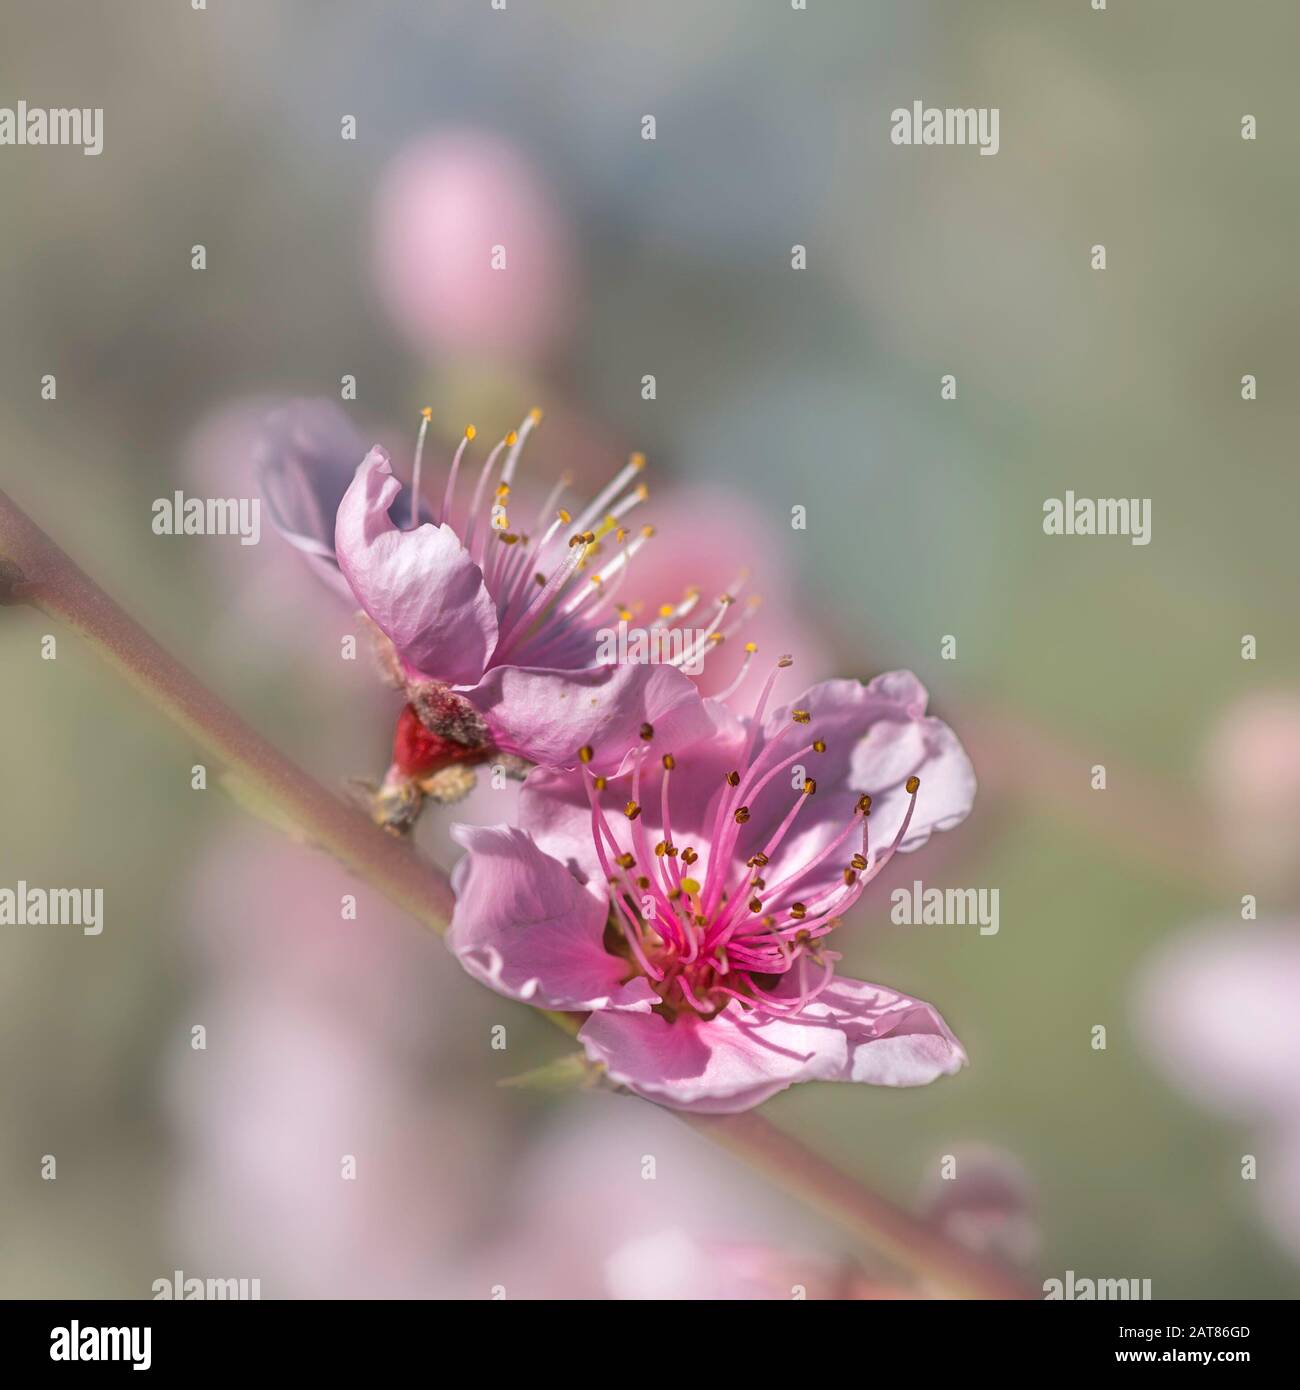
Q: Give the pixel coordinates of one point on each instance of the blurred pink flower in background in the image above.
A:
(1252, 773)
(325, 1037)
(611, 1174)
(1218, 1012)
(444, 203)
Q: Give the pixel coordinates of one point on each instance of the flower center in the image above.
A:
(706, 929)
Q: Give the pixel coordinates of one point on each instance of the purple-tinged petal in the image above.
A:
(525, 927)
(420, 586)
(851, 1032)
(546, 716)
(304, 458)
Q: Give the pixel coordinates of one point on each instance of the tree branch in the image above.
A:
(34, 571)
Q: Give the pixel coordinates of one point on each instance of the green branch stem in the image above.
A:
(35, 572)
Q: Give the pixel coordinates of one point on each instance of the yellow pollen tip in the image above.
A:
(642, 492)
(565, 517)
(585, 753)
(535, 415)
(801, 716)
(913, 785)
(512, 438)
(637, 461)
(666, 610)
(427, 412)
(470, 431)
(647, 531)
(690, 885)
(751, 647)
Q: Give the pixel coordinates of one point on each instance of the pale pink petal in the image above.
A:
(420, 585)
(893, 738)
(547, 716)
(729, 1063)
(893, 1039)
(525, 927)
(851, 1032)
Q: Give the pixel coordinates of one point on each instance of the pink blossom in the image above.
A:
(714, 987)
(496, 630)
(472, 256)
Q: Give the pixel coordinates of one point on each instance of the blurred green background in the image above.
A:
(817, 388)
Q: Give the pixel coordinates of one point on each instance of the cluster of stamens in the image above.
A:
(705, 937)
(553, 584)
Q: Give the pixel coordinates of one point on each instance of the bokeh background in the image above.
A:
(775, 388)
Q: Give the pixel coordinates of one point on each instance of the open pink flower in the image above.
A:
(496, 630)
(686, 899)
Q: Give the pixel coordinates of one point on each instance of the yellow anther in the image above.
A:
(470, 431)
